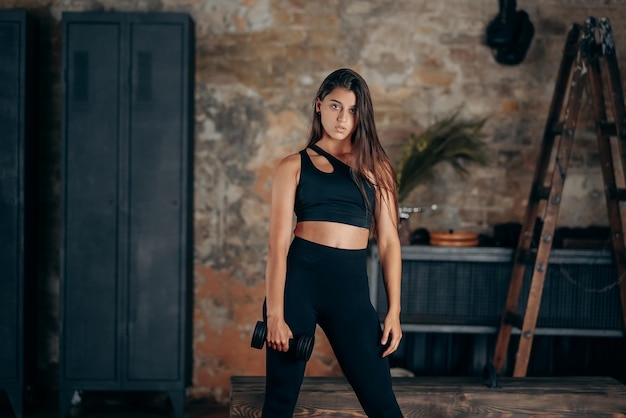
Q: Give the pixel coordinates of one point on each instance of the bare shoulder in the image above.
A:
(289, 163)
(291, 159)
(288, 169)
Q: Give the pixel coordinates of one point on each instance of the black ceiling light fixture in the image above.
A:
(509, 34)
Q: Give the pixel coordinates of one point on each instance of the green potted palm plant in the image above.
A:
(452, 139)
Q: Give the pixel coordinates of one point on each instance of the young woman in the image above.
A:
(341, 187)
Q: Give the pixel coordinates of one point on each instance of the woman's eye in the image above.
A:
(334, 106)
(353, 111)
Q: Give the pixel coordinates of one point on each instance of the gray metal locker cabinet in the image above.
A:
(126, 265)
(17, 281)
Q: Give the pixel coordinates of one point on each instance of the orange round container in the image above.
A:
(452, 238)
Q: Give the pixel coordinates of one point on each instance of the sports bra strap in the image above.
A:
(327, 154)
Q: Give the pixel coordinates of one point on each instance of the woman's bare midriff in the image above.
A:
(333, 234)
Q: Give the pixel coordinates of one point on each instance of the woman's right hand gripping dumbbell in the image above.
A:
(278, 334)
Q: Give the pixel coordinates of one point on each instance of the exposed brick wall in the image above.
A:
(259, 63)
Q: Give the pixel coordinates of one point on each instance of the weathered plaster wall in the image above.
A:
(259, 63)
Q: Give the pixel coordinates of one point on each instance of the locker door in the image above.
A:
(158, 128)
(90, 277)
(11, 197)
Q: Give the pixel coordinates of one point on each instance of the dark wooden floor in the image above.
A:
(448, 397)
(118, 406)
(192, 412)
(332, 397)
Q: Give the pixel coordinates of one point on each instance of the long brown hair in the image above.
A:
(369, 159)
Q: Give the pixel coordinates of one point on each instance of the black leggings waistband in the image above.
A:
(321, 257)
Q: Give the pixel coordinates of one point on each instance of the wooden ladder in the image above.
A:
(588, 57)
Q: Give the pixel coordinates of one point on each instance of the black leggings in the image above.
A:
(329, 286)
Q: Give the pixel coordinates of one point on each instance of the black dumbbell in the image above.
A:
(301, 345)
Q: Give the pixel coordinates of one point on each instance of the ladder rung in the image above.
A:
(539, 193)
(607, 128)
(526, 257)
(513, 319)
(557, 128)
(617, 194)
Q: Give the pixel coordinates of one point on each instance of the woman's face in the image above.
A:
(338, 113)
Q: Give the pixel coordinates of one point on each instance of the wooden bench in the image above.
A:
(449, 397)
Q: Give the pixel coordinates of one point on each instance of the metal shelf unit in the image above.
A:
(463, 289)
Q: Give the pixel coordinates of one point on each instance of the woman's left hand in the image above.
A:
(392, 333)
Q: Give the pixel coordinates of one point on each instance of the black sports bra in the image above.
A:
(332, 197)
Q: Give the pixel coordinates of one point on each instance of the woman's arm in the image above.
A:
(281, 221)
(389, 251)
